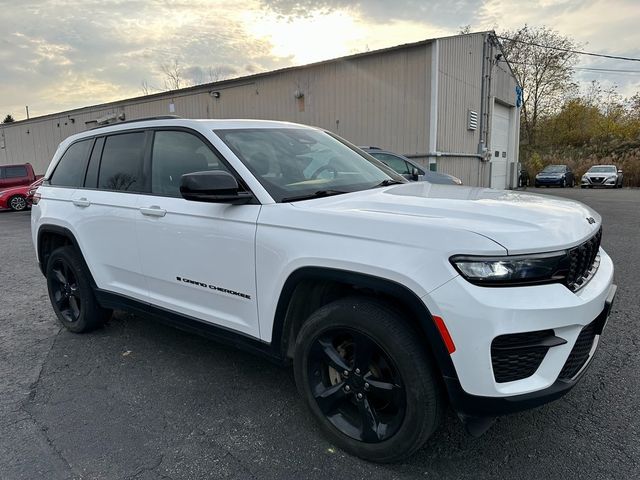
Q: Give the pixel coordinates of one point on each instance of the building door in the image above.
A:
(500, 128)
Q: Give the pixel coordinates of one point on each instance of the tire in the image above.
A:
(402, 366)
(17, 203)
(71, 293)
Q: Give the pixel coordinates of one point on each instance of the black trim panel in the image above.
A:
(189, 324)
(400, 292)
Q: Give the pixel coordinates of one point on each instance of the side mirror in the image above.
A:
(212, 186)
(415, 175)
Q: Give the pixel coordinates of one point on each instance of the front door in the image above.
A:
(198, 258)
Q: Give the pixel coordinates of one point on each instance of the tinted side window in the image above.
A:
(176, 153)
(122, 162)
(70, 169)
(15, 172)
(398, 164)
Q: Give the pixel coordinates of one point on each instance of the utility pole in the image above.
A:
(27, 108)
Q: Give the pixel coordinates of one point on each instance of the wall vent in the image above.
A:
(472, 123)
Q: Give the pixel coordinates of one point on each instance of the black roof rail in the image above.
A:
(159, 117)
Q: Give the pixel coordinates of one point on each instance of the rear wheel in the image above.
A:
(17, 203)
(367, 380)
(71, 293)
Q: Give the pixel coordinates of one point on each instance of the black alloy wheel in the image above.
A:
(356, 385)
(71, 293)
(65, 291)
(365, 374)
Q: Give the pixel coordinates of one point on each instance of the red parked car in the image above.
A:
(19, 198)
(16, 175)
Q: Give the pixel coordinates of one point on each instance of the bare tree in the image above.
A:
(543, 65)
(8, 119)
(174, 78)
(216, 74)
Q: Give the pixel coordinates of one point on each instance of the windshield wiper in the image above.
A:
(386, 183)
(318, 194)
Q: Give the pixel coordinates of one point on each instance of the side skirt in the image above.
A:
(190, 324)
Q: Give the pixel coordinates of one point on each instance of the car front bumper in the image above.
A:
(549, 181)
(606, 183)
(475, 316)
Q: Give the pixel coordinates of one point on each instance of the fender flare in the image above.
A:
(406, 296)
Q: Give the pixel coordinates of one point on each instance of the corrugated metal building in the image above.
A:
(448, 102)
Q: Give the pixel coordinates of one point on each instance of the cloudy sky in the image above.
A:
(61, 54)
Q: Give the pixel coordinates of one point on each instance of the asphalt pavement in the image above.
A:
(140, 400)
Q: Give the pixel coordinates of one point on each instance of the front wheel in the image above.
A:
(17, 203)
(71, 293)
(367, 380)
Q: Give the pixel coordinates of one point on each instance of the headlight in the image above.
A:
(513, 270)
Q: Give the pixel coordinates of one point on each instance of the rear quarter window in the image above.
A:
(72, 166)
(15, 172)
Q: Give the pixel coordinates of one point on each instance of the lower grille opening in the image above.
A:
(580, 352)
(517, 356)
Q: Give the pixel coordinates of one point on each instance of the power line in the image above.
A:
(607, 70)
(568, 50)
(590, 69)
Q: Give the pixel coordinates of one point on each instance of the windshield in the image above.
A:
(603, 169)
(292, 163)
(554, 169)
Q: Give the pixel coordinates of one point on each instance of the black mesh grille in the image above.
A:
(517, 356)
(580, 352)
(583, 262)
(597, 179)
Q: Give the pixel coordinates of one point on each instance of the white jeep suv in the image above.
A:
(389, 298)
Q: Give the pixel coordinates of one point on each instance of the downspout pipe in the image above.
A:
(433, 101)
(443, 154)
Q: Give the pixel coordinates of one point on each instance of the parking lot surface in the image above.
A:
(140, 400)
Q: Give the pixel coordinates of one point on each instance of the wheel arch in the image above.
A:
(51, 237)
(308, 288)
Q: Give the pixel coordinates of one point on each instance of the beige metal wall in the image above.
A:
(378, 99)
(460, 83)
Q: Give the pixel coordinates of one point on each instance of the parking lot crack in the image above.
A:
(33, 390)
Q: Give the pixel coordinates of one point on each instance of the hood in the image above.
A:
(520, 222)
(601, 174)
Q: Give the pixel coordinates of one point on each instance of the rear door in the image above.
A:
(108, 204)
(198, 258)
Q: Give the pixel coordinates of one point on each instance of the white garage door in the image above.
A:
(499, 146)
